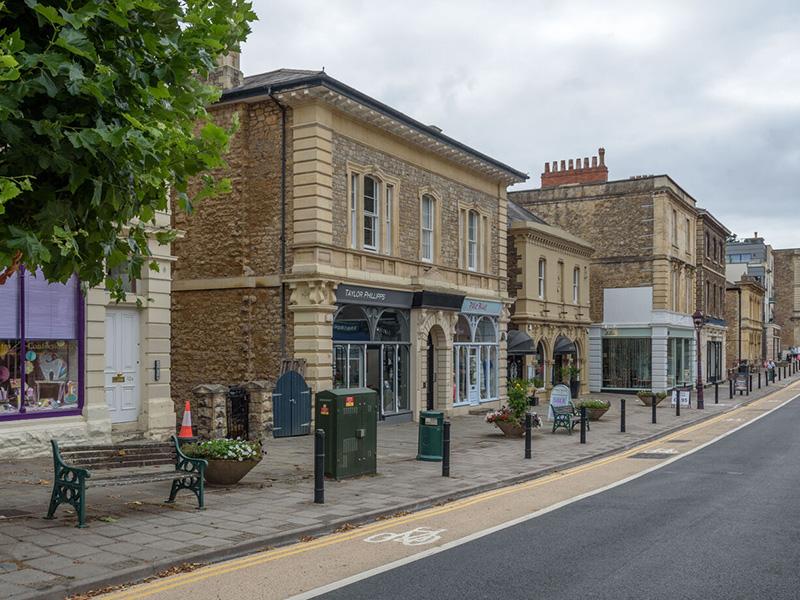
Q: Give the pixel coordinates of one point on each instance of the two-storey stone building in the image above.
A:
(787, 297)
(366, 243)
(710, 294)
(548, 277)
(642, 290)
(744, 312)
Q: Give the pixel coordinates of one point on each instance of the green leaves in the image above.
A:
(102, 109)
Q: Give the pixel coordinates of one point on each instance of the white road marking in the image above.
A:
(420, 536)
(662, 451)
(479, 534)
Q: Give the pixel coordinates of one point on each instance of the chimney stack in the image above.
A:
(227, 74)
(576, 171)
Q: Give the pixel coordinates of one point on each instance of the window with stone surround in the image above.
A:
(576, 279)
(372, 207)
(542, 276)
(472, 240)
(428, 222)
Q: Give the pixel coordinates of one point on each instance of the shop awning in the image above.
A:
(520, 342)
(564, 346)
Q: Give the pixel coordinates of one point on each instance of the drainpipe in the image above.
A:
(282, 108)
(739, 291)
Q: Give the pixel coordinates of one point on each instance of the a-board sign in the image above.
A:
(741, 382)
(559, 396)
(684, 395)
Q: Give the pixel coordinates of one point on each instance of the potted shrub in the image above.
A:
(594, 408)
(511, 419)
(647, 397)
(228, 460)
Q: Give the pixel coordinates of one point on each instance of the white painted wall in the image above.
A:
(627, 306)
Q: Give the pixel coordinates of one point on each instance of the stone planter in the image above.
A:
(594, 414)
(510, 429)
(228, 472)
(649, 400)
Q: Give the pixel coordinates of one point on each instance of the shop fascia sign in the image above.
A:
(353, 294)
(481, 307)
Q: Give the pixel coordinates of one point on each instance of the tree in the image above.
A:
(102, 118)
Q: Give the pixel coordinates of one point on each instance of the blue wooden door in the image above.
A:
(291, 406)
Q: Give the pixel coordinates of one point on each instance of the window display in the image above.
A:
(627, 363)
(475, 355)
(40, 345)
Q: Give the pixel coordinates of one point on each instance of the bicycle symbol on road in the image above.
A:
(416, 537)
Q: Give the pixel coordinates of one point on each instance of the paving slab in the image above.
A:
(132, 539)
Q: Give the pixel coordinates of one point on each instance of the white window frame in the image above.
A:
(389, 206)
(473, 223)
(354, 210)
(576, 285)
(374, 217)
(427, 230)
(542, 277)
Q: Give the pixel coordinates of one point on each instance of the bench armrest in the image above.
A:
(64, 472)
(187, 463)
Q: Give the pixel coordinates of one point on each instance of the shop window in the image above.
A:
(542, 275)
(428, 227)
(475, 359)
(40, 345)
(679, 368)
(351, 324)
(627, 363)
(392, 327)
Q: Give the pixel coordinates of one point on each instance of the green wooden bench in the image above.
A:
(80, 467)
(567, 417)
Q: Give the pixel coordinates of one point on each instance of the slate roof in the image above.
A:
(517, 213)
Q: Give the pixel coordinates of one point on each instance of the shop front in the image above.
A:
(372, 346)
(476, 351)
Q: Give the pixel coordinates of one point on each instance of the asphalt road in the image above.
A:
(720, 523)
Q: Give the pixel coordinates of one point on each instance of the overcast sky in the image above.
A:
(706, 92)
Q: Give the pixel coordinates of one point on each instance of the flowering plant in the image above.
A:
(224, 449)
(506, 415)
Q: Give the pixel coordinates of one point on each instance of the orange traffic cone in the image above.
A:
(186, 424)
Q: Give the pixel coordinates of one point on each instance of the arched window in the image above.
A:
(427, 227)
(351, 325)
(463, 333)
(485, 331)
(542, 274)
(392, 327)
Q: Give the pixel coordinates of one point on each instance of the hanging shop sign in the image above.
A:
(354, 294)
(472, 306)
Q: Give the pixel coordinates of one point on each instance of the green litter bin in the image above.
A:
(431, 435)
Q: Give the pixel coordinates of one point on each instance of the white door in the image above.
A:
(122, 364)
(474, 374)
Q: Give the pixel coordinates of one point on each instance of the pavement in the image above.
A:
(133, 535)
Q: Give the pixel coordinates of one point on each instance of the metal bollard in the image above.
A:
(784, 371)
(583, 424)
(730, 382)
(678, 405)
(766, 378)
(527, 435)
(622, 415)
(759, 380)
(750, 383)
(716, 392)
(653, 405)
(446, 450)
(319, 466)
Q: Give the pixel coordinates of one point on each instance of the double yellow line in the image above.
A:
(149, 589)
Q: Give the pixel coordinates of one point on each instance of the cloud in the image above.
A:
(708, 93)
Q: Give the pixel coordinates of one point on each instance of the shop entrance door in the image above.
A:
(431, 379)
(474, 374)
(122, 365)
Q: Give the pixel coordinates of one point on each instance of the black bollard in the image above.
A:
(622, 415)
(766, 378)
(446, 450)
(730, 382)
(678, 404)
(653, 406)
(319, 466)
(759, 380)
(784, 371)
(583, 424)
(527, 435)
(750, 383)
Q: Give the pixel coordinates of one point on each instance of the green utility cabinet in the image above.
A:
(349, 417)
(431, 435)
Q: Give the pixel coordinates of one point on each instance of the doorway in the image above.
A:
(122, 365)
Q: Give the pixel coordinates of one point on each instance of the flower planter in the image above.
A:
(649, 401)
(510, 429)
(228, 472)
(594, 414)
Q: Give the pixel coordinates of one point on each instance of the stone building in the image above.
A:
(548, 278)
(754, 257)
(710, 294)
(787, 297)
(357, 239)
(642, 274)
(744, 312)
(84, 368)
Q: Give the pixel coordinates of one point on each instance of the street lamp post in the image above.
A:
(698, 319)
